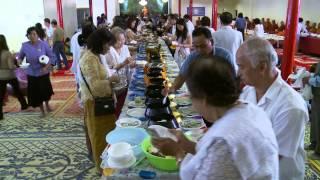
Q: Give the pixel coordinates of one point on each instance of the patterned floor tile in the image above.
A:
(49, 148)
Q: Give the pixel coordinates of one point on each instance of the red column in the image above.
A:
(90, 8)
(179, 8)
(214, 14)
(106, 8)
(59, 12)
(190, 9)
(289, 48)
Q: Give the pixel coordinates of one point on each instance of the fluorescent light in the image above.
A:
(143, 2)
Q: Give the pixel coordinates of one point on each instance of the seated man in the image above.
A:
(203, 47)
(257, 62)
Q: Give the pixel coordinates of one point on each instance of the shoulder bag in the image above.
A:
(102, 105)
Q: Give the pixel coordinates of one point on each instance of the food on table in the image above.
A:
(154, 151)
(138, 100)
(129, 124)
(183, 101)
(187, 112)
(191, 123)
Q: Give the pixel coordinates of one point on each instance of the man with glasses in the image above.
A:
(203, 47)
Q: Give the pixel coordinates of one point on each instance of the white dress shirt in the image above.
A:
(114, 58)
(76, 53)
(229, 39)
(258, 30)
(49, 31)
(288, 113)
(190, 27)
(240, 145)
(301, 29)
(211, 30)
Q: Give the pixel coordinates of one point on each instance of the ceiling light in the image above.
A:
(143, 2)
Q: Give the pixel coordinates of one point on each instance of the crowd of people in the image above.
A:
(253, 133)
(273, 27)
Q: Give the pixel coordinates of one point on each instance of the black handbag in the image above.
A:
(102, 105)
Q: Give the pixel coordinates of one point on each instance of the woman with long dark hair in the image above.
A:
(7, 75)
(183, 42)
(131, 29)
(40, 31)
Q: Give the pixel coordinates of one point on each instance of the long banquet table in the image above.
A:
(133, 172)
(310, 45)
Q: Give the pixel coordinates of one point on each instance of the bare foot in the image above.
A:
(48, 106)
(49, 109)
(42, 115)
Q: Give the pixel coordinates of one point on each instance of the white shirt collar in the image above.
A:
(226, 27)
(273, 90)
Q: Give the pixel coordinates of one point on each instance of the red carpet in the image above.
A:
(301, 60)
(63, 72)
(63, 102)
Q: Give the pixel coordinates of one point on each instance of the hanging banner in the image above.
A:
(197, 11)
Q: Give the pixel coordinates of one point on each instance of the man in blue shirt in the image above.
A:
(241, 24)
(203, 47)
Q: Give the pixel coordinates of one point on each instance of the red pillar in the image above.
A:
(179, 7)
(59, 12)
(190, 9)
(106, 8)
(90, 8)
(289, 48)
(214, 14)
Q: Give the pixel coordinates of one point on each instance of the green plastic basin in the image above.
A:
(164, 164)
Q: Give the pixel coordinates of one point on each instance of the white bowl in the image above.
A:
(128, 122)
(117, 165)
(136, 112)
(141, 63)
(120, 152)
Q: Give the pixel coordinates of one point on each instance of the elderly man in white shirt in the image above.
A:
(189, 23)
(226, 37)
(287, 110)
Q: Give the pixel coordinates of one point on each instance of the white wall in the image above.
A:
(69, 12)
(310, 10)
(113, 9)
(277, 9)
(50, 9)
(16, 16)
(274, 9)
(82, 3)
(97, 9)
(223, 5)
(70, 21)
